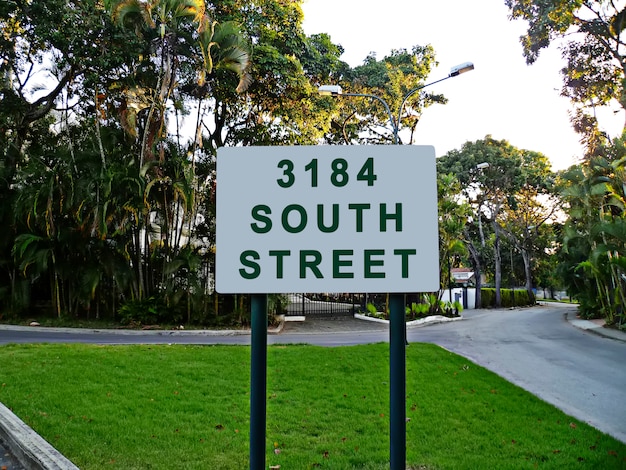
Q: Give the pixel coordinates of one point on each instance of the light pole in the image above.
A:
(397, 320)
(336, 91)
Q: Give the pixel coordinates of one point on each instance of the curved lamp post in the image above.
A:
(336, 91)
(397, 322)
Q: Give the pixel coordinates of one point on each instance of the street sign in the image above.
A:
(327, 219)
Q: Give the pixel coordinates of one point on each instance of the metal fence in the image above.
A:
(324, 305)
(340, 304)
(331, 305)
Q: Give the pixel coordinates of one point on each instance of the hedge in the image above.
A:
(508, 298)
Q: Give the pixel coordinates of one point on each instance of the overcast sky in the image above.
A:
(503, 96)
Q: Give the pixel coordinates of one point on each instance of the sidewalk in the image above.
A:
(596, 326)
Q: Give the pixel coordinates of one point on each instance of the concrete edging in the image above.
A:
(430, 320)
(28, 447)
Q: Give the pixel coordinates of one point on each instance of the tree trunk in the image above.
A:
(476, 265)
(527, 271)
(498, 264)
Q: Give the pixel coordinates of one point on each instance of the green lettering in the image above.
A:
(359, 208)
(405, 260)
(259, 214)
(370, 263)
(384, 217)
(338, 263)
(312, 264)
(303, 218)
(248, 258)
(279, 254)
(320, 219)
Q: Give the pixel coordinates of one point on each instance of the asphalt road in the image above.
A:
(536, 348)
(7, 460)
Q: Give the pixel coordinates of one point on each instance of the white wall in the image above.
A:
(457, 294)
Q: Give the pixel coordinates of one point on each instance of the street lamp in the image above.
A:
(336, 91)
(397, 320)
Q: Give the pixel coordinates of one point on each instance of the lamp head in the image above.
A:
(461, 68)
(329, 90)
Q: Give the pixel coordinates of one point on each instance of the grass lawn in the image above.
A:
(187, 407)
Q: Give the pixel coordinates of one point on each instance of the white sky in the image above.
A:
(503, 96)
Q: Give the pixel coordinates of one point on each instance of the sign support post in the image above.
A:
(327, 219)
(258, 381)
(397, 382)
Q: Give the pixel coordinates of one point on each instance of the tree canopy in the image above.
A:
(590, 34)
(591, 38)
(112, 113)
(511, 190)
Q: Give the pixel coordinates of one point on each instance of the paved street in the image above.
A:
(7, 461)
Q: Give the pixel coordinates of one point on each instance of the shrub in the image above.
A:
(508, 298)
(417, 310)
(148, 311)
(488, 297)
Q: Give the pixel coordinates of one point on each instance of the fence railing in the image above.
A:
(325, 305)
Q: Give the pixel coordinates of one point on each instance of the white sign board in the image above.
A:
(462, 275)
(327, 219)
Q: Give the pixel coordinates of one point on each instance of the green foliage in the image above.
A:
(594, 71)
(511, 198)
(417, 310)
(277, 304)
(509, 298)
(366, 121)
(147, 311)
(594, 241)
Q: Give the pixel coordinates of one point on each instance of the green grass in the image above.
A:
(187, 407)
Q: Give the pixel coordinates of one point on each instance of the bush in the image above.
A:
(508, 298)
(488, 298)
(148, 311)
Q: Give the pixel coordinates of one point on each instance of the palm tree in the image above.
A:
(596, 234)
(219, 46)
(453, 215)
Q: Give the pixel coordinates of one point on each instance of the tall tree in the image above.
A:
(591, 34)
(591, 38)
(364, 120)
(535, 204)
(453, 216)
(594, 236)
(495, 178)
(137, 70)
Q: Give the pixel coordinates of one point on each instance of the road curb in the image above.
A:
(28, 447)
(121, 332)
(430, 320)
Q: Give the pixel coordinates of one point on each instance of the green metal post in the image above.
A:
(397, 382)
(258, 381)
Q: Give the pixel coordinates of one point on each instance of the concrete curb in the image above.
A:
(431, 320)
(28, 447)
(121, 332)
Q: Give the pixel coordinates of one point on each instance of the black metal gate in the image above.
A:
(325, 305)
